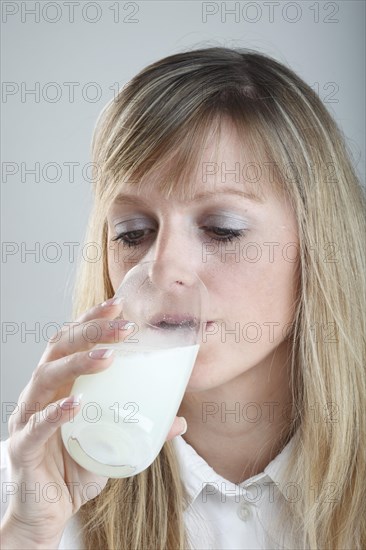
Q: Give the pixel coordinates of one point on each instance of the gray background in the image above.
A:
(324, 42)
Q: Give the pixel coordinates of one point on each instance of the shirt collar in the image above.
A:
(196, 473)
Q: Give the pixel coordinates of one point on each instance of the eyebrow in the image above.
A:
(133, 199)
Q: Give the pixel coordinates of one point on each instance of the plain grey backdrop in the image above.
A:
(61, 63)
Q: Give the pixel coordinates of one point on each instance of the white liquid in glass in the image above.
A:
(127, 410)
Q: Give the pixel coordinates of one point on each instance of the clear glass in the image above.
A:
(128, 409)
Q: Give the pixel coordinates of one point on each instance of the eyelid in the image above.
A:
(220, 218)
(133, 224)
(226, 221)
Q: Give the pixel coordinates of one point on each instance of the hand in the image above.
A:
(51, 485)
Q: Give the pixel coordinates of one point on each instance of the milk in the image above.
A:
(128, 409)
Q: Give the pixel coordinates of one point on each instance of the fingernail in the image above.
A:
(70, 402)
(121, 324)
(112, 302)
(184, 425)
(100, 353)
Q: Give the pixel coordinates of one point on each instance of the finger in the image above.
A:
(27, 447)
(54, 378)
(50, 380)
(103, 309)
(77, 337)
(179, 427)
(109, 309)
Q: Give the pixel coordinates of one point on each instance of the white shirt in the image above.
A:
(221, 515)
(227, 516)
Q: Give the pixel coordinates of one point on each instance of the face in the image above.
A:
(244, 250)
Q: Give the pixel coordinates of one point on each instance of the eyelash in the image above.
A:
(231, 234)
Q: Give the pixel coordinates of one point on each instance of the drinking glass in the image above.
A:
(128, 409)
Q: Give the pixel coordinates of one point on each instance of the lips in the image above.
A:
(170, 321)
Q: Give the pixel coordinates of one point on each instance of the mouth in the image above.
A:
(169, 321)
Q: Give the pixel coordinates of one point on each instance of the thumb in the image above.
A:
(179, 427)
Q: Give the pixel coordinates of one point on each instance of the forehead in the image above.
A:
(224, 161)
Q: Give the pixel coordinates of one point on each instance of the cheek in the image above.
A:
(116, 269)
(276, 292)
(260, 292)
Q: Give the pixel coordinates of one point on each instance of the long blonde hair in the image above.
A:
(160, 120)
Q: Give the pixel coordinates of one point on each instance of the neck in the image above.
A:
(240, 426)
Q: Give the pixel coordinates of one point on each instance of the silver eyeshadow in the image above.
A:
(225, 220)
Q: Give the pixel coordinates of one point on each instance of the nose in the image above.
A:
(171, 276)
(174, 268)
(173, 263)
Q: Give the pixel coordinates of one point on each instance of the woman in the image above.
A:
(226, 159)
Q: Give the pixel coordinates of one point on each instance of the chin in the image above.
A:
(211, 371)
(216, 366)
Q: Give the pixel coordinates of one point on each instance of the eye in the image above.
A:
(138, 237)
(133, 238)
(225, 234)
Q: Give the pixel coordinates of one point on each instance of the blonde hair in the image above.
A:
(160, 120)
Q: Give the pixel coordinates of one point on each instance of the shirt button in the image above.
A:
(244, 512)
